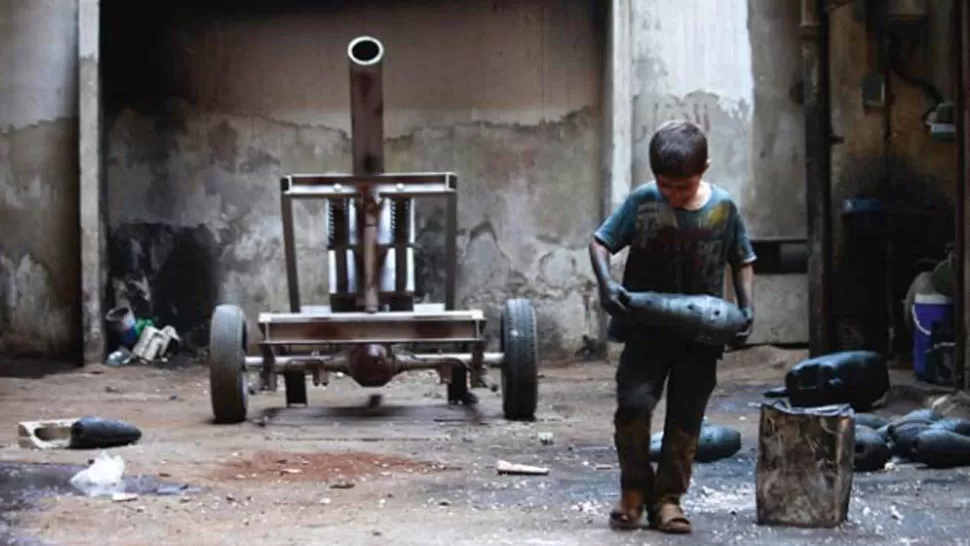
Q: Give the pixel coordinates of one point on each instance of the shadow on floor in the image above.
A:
(34, 368)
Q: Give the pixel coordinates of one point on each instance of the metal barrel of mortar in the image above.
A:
(366, 56)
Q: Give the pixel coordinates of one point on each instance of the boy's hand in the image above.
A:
(612, 295)
(742, 336)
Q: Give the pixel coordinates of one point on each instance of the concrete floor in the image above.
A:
(413, 471)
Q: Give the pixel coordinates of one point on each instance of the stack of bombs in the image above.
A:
(922, 436)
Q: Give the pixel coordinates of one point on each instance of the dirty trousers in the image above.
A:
(690, 372)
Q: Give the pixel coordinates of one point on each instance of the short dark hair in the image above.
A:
(678, 149)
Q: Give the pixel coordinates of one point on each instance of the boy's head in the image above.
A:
(678, 159)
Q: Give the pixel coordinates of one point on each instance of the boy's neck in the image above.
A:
(700, 198)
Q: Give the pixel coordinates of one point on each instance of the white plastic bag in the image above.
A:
(103, 477)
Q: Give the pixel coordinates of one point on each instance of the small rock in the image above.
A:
(173, 397)
(112, 388)
(325, 501)
(546, 438)
(376, 533)
(342, 484)
(444, 502)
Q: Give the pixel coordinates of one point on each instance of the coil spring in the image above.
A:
(400, 215)
(338, 221)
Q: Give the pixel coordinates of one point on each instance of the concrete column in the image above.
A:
(618, 111)
(617, 114)
(93, 226)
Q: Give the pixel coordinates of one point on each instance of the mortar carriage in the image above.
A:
(373, 329)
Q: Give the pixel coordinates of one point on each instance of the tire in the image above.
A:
(227, 365)
(520, 372)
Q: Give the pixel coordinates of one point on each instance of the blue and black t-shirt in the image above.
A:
(675, 250)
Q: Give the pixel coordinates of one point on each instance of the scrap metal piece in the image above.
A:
(154, 343)
(703, 318)
(858, 378)
(48, 434)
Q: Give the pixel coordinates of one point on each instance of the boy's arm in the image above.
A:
(612, 236)
(743, 277)
(742, 258)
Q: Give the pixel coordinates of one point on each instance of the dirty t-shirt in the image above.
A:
(674, 250)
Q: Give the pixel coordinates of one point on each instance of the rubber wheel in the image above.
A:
(227, 364)
(520, 373)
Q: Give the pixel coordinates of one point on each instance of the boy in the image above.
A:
(681, 231)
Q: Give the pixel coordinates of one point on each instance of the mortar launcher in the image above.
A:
(374, 327)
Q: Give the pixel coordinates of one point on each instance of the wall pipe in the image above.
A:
(818, 157)
(961, 29)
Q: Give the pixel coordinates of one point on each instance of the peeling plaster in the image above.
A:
(526, 206)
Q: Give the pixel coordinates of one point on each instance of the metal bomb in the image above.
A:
(702, 318)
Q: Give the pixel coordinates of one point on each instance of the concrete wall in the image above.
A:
(39, 273)
(731, 66)
(204, 112)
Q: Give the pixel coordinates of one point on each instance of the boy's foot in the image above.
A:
(669, 518)
(628, 514)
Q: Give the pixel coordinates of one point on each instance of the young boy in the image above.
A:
(681, 231)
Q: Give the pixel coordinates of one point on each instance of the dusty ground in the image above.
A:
(415, 471)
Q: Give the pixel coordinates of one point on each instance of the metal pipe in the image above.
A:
(298, 362)
(818, 149)
(962, 39)
(366, 56)
(289, 246)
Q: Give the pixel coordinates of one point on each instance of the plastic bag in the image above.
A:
(103, 477)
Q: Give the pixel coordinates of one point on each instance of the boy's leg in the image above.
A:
(692, 380)
(639, 384)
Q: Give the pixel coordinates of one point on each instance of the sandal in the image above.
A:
(670, 518)
(628, 514)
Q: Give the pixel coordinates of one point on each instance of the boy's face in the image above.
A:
(678, 191)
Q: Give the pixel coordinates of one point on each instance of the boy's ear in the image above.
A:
(707, 166)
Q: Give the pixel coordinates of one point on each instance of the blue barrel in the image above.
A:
(121, 321)
(929, 311)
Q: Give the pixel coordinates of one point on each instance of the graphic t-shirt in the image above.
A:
(675, 250)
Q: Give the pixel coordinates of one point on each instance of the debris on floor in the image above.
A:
(507, 468)
(48, 434)
(77, 433)
(140, 340)
(154, 343)
(103, 477)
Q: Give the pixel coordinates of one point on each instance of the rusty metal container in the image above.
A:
(805, 465)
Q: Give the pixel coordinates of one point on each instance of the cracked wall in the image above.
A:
(39, 271)
(730, 66)
(205, 111)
